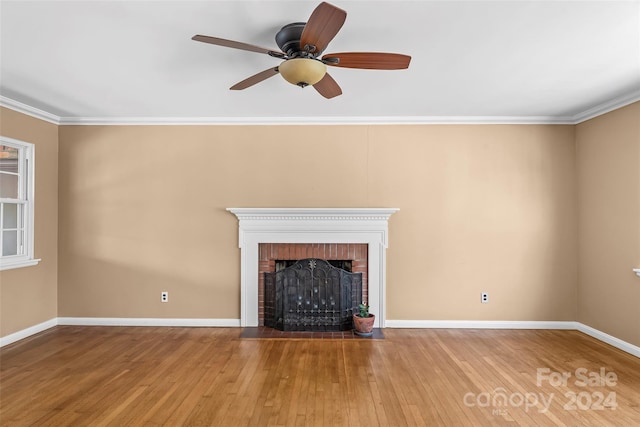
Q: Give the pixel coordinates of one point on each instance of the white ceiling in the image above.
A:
(525, 61)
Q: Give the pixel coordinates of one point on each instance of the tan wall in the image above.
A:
(29, 296)
(608, 153)
(483, 208)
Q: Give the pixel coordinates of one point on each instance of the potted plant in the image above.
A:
(363, 321)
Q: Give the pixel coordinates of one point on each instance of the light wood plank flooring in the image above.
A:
(127, 376)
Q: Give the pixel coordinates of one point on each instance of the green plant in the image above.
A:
(364, 310)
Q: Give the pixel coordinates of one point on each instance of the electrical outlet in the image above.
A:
(484, 297)
(164, 296)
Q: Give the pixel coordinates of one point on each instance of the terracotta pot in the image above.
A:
(364, 325)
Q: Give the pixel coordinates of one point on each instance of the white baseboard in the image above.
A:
(26, 333)
(609, 339)
(479, 324)
(116, 321)
(140, 321)
(417, 324)
(509, 324)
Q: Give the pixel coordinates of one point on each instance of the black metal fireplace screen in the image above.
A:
(311, 295)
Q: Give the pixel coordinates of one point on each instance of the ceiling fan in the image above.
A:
(302, 44)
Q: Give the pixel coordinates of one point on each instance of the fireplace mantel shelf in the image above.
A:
(312, 225)
(293, 214)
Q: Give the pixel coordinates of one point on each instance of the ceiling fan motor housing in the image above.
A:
(288, 38)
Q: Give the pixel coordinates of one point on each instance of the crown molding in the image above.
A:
(29, 110)
(265, 121)
(348, 120)
(607, 107)
(591, 113)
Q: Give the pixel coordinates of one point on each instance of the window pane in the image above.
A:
(10, 215)
(9, 243)
(8, 186)
(15, 183)
(8, 159)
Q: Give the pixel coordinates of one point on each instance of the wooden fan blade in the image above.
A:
(236, 45)
(322, 26)
(368, 60)
(328, 87)
(256, 78)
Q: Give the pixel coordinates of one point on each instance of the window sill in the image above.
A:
(11, 264)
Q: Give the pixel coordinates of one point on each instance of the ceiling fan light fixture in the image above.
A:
(302, 71)
(302, 43)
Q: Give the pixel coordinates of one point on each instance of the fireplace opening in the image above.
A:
(311, 295)
(352, 257)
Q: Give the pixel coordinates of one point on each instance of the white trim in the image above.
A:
(141, 321)
(637, 271)
(8, 264)
(29, 110)
(116, 321)
(312, 225)
(27, 332)
(480, 324)
(516, 324)
(309, 214)
(609, 339)
(606, 107)
(27, 196)
(336, 120)
(588, 114)
(231, 323)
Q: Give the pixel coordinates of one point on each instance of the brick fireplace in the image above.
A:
(347, 231)
(269, 253)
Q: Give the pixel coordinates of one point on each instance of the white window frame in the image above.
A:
(26, 193)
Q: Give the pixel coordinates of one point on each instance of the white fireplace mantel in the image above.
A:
(312, 225)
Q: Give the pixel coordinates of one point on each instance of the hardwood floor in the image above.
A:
(130, 376)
